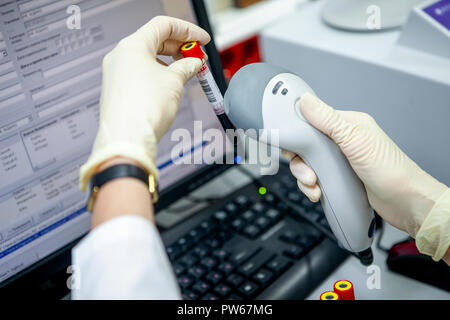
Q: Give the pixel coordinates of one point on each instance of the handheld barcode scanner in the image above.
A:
(262, 96)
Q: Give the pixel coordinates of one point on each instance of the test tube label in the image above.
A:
(211, 89)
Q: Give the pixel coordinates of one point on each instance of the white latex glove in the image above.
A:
(398, 190)
(140, 94)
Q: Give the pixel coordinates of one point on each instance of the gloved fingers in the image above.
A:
(287, 155)
(161, 62)
(302, 172)
(313, 193)
(161, 28)
(326, 119)
(358, 118)
(170, 47)
(186, 68)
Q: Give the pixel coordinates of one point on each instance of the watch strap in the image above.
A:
(121, 171)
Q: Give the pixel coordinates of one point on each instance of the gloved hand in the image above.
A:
(398, 190)
(140, 93)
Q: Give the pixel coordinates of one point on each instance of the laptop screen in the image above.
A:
(50, 80)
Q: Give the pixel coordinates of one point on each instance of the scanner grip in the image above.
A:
(344, 198)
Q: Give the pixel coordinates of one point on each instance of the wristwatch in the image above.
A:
(120, 171)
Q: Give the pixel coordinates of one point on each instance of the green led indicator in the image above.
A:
(262, 190)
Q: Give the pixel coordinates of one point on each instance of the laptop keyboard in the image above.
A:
(244, 245)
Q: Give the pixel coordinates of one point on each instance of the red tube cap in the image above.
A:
(192, 50)
(344, 289)
(329, 295)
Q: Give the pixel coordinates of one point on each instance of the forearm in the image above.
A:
(123, 196)
(446, 258)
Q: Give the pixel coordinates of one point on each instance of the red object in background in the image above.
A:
(344, 289)
(404, 248)
(239, 55)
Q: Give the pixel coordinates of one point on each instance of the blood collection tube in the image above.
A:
(329, 295)
(344, 289)
(207, 82)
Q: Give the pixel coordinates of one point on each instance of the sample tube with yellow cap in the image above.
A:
(329, 295)
(207, 82)
(344, 289)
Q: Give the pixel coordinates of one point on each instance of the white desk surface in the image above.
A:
(304, 27)
(393, 285)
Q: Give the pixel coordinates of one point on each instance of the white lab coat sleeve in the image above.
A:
(123, 258)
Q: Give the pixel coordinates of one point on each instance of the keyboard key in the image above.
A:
(314, 234)
(243, 254)
(196, 234)
(226, 267)
(189, 259)
(273, 214)
(173, 252)
(201, 287)
(214, 277)
(221, 216)
(201, 250)
(197, 272)
(214, 242)
(208, 225)
(294, 252)
(179, 269)
(304, 241)
(269, 198)
(238, 224)
(221, 254)
(295, 196)
(231, 208)
(263, 277)
(235, 280)
(235, 297)
(283, 207)
(288, 236)
(278, 264)
(222, 290)
(190, 295)
(262, 222)
(258, 207)
(210, 296)
(251, 231)
(184, 243)
(242, 201)
(223, 235)
(208, 262)
(314, 215)
(248, 215)
(288, 180)
(185, 281)
(255, 263)
(248, 289)
(308, 203)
